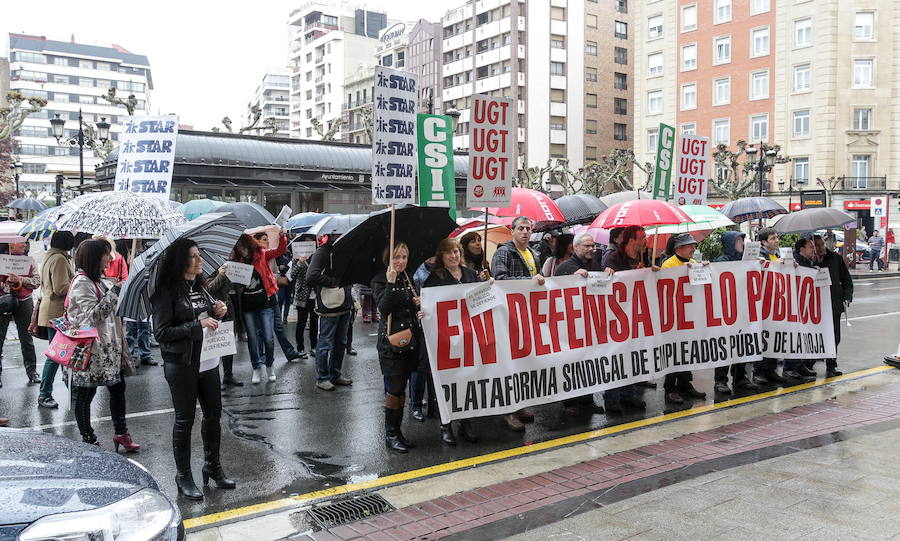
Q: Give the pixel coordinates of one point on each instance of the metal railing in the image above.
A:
(864, 183)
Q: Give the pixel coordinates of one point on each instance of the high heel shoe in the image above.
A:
(125, 441)
(186, 487)
(214, 472)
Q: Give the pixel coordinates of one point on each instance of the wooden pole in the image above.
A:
(655, 240)
(484, 243)
(393, 230)
(133, 251)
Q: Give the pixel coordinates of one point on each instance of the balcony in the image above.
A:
(877, 184)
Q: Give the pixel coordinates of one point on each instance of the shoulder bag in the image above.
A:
(401, 337)
(71, 346)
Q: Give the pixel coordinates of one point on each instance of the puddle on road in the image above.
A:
(318, 465)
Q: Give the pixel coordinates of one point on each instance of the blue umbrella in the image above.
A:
(300, 223)
(752, 208)
(198, 207)
(41, 226)
(27, 203)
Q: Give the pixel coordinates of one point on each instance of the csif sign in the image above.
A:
(437, 185)
(662, 174)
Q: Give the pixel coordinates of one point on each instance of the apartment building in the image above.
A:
(357, 110)
(273, 97)
(72, 77)
(329, 41)
(425, 61)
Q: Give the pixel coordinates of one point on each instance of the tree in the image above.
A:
(327, 134)
(609, 175)
(12, 116)
(733, 177)
(7, 180)
(129, 104)
(830, 184)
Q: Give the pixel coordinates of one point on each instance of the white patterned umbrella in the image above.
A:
(119, 215)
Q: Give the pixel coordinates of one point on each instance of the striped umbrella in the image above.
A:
(41, 226)
(215, 235)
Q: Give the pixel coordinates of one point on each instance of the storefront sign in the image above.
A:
(437, 186)
(147, 155)
(857, 205)
(813, 199)
(491, 141)
(394, 156)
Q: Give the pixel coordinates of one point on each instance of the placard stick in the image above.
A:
(393, 228)
(484, 244)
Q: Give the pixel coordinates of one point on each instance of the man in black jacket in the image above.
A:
(333, 308)
(841, 293)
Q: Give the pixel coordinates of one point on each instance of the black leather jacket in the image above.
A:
(175, 326)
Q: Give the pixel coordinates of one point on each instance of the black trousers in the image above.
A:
(188, 385)
(305, 313)
(677, 381)
(81, 406)
(738, 373)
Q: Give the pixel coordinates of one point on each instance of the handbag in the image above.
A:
(400, 338)
(35, 330)
(332, 297)
(8, 303)
(72, 346)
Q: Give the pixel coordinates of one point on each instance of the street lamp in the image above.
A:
(768, 157)
(17, 169)
(791, 182)
(79, 140)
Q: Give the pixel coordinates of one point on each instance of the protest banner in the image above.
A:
(692, 173)
(394, 156)
(147, 155)
(437, 183)
(239, 273)
(662, 174)
(491, 143)
(543, 344)
(219, 342)
(15, 264)
(304, 248)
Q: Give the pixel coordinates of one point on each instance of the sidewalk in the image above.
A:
(825, 465)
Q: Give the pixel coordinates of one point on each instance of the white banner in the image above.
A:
(547, 343)
(15, 264)
(147, 155)
(394, 154)
(491, 142)
(219, 342)
(692, 171)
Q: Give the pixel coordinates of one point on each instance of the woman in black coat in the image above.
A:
(182, 308)
(396, 297)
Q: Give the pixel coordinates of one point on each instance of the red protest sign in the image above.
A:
(491, 141)
(692, 171)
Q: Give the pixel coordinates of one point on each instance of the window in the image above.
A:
(557, 123)
(621, 55)
(689, 128)
(652, 139)
(689, 57)
(621, 30)
(759, 85)
(723, 11)
(759, 6)
(34, 58)
(654, 27)
(401, 59)
(722, 50)
(387, 60)
(759, 42)
(556, 68)
(621, 5)
(860, 170)
(862, 73)
(654, 102)
(590, 48)
(591, 21)
(722, 91)
(802, 78)
(482, 72)
(558, 14)
(590, 127)
(862, 118)
(801, 170)
(801, 123)
(590, 74)
(590, 153)
(689, 18)
(590, 100)
(557, 95)
(689, 96)
(803, 32)
(722, 131)
(483, 18)
(759, 127)
(655, 64)
(620, 81)
(620, 133)
(864, 25)
(620, 106)
(35, 168)
(559, 42)
(557, 151)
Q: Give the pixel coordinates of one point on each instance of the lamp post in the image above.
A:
(17, 169)
(799, 182)
(768, 157)
(79, 140)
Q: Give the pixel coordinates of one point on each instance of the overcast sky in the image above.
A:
(206, 56)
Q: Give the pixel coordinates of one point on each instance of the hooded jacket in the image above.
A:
(729, 239)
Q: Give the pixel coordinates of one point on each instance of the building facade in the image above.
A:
(273, 97)
(425, 61)
(357, 110)
(72, 77)
(328, 42)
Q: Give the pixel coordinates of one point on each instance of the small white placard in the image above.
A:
(700, 275)
(599, 283)
(219, 342)
(823, 277)
(303, 248)
(239, 273)
(283, 216)
(786, 253)
(15, 264)
(751, 250)
(481, 298)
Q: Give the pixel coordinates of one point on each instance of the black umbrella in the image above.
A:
(27, 203)
(358, 254)
(251, 214)
(580, 208)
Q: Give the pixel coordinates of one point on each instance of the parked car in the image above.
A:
(52, 487)
(862, 249)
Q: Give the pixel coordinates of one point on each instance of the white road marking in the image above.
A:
(107, 418)
(874, 315)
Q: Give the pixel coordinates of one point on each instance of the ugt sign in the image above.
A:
(491, 167)
(692, 171)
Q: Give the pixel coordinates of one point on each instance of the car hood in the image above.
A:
(42, 474)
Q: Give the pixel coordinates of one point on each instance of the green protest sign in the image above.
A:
(437, 185)
(662, 174)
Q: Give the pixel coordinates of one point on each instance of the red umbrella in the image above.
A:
(642, 212)
(533, 204)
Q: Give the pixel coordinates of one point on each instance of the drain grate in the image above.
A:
(335, 513)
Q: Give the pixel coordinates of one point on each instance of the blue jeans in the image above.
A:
(49, 372)
(874, 256)
(331, 346)
(260, 326)
(286, 346)
(137, 335)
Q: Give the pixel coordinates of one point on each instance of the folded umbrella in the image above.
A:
(752, 208)
(27, 203)
(812, 220)
(580, 208)
(251, 214)
(118, 215)
(358, 254)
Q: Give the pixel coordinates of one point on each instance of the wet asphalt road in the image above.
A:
(287, 438)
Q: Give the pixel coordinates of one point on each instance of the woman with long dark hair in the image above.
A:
(91, 303)
(182, 308)
(473, 252)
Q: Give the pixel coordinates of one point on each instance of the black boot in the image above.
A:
(447, 434)
(212, 441)
(184, 480)
(467, 431)
(406, 442)
(391, 432)
(831, 369)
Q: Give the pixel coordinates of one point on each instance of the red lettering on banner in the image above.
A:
(791, 293)
(682, 299)
(442, 309)
(815, 300)
(618, 328)
(468, 347)
(728, 293)
(665, 293)
(754, 293)
(519, 333)
(490, 111)
(555, 317)
(640, 312)
(572, 315)
(711, 319)
(491, 140)
(779, 310)
(483, 325)
(594, 318)
(537, 318)
(768, 288)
